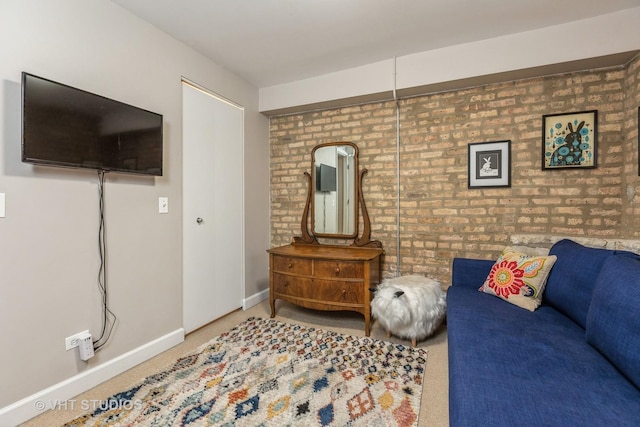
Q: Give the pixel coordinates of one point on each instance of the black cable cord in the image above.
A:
(108, 317)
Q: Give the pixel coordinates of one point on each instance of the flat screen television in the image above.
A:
(325, 178)
(69, 127)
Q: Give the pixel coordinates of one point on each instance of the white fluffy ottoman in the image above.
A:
(409, 307)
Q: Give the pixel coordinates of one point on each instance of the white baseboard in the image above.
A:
(57, 394)
(255, 299)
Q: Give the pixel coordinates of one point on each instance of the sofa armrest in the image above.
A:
(470, 273)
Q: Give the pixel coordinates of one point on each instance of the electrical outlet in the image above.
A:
(74, 340)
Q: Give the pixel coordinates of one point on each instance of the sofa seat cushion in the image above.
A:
(509, 366)
(613, 320)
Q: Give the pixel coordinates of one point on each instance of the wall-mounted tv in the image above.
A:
(69, 127)
(325, 178)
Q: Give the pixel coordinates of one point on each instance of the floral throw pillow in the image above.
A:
(518, 278)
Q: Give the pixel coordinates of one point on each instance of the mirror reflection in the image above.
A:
(335, 200)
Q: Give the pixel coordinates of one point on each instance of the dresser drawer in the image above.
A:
(342, 269)
(291, 265)
(339, 292)
(291, 285)
(325, 291)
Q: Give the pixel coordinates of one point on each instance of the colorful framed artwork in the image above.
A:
(570, 140)
(489, 164)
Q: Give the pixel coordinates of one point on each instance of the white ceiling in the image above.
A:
(268, 42)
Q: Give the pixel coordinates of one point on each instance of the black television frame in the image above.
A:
(326, 178)
(129, 165)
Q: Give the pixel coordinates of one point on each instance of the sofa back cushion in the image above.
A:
(613, 320)
(573, 277)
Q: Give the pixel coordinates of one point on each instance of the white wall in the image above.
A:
(601, 36)
(48, 240)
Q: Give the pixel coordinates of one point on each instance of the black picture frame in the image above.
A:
(489, 164)
(570, 140)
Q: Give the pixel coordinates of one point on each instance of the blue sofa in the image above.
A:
(574, 361)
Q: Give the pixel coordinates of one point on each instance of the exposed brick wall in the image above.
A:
(441, 218)
(630, 146)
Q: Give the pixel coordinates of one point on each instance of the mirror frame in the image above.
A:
(356, 190)
(360, 207)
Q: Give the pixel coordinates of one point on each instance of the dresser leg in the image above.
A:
(272, 303)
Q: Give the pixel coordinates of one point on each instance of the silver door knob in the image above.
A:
(199, 220)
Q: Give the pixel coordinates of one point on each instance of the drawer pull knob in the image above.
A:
(285, 284)
(337, 270)
(290, 265)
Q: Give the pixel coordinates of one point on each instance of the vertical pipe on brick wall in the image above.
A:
(395, 98)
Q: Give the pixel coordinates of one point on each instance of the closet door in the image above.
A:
(213, 212)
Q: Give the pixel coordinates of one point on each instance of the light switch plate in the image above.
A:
(163, 205)
(2, 207)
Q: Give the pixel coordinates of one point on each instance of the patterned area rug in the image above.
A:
(268, 373)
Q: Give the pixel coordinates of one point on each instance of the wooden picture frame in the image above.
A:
(570, 140)
(489, 164)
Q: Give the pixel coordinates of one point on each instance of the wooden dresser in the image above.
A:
(324, 277)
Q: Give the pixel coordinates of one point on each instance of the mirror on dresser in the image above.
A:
(330, 276)
(335, 204)
(334, 186)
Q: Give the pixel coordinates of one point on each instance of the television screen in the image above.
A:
(69, 127)
(325, 178)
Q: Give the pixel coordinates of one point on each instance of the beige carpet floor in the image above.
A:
(434, 408)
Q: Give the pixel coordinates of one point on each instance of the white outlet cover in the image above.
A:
(2, 205)
(72, 341)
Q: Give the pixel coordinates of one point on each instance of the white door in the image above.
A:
(213, 218)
